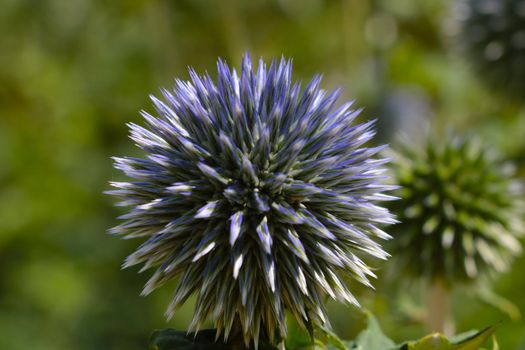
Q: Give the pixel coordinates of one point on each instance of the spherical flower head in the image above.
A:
(257, 195)
(493, 32)
(460, 211)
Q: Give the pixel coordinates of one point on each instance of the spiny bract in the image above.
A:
(460, 211)
(494, 36)
(257, 195)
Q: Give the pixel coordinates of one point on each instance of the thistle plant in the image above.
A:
(258, 196)
(494, 36)
(460, 212)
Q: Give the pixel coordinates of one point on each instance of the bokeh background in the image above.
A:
(73, 72)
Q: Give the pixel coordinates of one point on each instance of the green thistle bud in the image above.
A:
(460, 211)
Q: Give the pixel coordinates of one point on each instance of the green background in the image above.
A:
(73, 72)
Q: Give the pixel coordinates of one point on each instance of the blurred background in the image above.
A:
(72, 73)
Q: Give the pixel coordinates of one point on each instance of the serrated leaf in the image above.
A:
(373, 338)
(475, 341)
(458, 338)
(465, 341)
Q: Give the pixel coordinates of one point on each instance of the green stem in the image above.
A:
(438, 317)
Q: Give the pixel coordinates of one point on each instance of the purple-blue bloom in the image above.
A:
(257, 195)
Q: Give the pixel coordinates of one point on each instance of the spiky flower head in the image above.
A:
(493, 32)
(460, 211)
(257, 195)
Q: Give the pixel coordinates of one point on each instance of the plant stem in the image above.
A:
(438, 318)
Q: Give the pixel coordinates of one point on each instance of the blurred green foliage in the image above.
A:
(72, 73)
(371, 338)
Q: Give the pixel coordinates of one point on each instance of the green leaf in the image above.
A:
(371, 338)
(495, 345)
(430, 342)
(475, 341)
(458, 338)
(334, 340)
(465, 341)
(298, 338)
(170, 339)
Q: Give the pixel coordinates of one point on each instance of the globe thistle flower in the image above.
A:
(259, 197)
(460, 211)
(493, 33)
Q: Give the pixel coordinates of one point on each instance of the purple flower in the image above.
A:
(257, 195)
